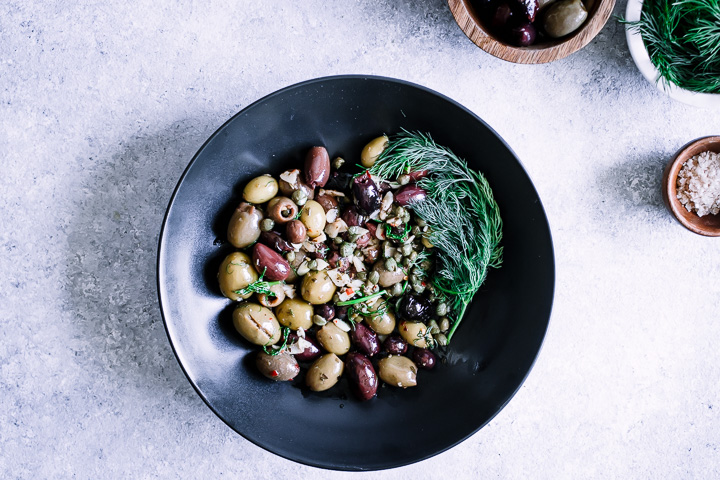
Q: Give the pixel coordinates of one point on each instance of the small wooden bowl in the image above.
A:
(708, 225)
(469, 20)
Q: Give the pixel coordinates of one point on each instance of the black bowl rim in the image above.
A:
(317, 81)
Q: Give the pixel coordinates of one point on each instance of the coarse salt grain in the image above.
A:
(698, 184)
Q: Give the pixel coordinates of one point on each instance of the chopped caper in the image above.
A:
(346, 249)
(299, 197)
(361, 276)
(444, 324)
(267, 224)
(390, 264)
(441, 309)
(374, 277)
(441, 339)
(338, 163)
(397, 290)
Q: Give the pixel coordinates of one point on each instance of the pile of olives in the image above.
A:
(331, 272)
(526, 22)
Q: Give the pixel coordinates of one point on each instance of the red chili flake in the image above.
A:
(349, 291)
(274, 373)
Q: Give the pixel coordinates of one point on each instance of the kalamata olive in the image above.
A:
(341, 312)
(256, 324)
(272, 299)
(260, 189)
(321, 251)
(328, 202)
(294, 313)
(366, 193)
(564, 17)
(382, 324)
(414, 333)
(360, 372)
(313, 217)
(414, 307)
(327, 311)
(324, 373)
(503, 16)
(244, 226)
(333, 339)
(317, 288)
(236, 272)
(281, 367)
(365, 340)
(275, 241)
(410, 194)
(336, 261)
(424, 358)
(281, 210)
(395, 345)
(268, 261)
(339, 181)
(295, 231)
(523, 35)
(398, 371)
(317, 167)
(372, 150)
(353, 217)
(312, 349)
(528, 8)
(417, 175)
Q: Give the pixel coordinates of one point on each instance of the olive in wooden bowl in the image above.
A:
(531, 31)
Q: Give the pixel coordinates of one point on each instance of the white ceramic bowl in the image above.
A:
(648, 70)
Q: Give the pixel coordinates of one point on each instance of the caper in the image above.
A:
(267, 224)
(413, 255)
(390, 264)
(400, 212)
(419, 288)
(336, 298)
(374, 277)
(299, 197)
(441, 339)
(312, 264)
(290, 256)
(338, 163)
(426, 265)
(444, 324)
(361, 276)
(405, 217)
(441, 309)
(397, 257)
(432, 296)
(397, 290)
(318, 320)
(420, 222)
(358, 252)
(346, 249)
(406, 249)
(416, 230)
(433, 327)
(353, 230)
(338, 240)
(403, 179)
(406, 262)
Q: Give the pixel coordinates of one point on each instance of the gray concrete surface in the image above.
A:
(102, 105)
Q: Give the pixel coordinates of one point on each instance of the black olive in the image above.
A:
(366, 193)
(339, 181)
(415, 307)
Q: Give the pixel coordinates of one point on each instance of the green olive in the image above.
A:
(236, 272)
(260, 189)
(313, 217)
(372, 150)
(413, 333)
(294, 313)
(333, 339)
(281, 367)
(256, 324)
(324, 372)
(382, 324)
(273, 299)
(564, 17)
(398, 371)
(244, 226)
(317, 288)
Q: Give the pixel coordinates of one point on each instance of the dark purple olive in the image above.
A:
(395, 345)
(362, 376)
(326, 311)
(339, 181)
(529, 8)
(502, 17)
(336, 261)
(275, 241)
(317, 167)
(414, 307)
(270, 262)
(321, 251)
(417, 175)
(341, 312)
(353, 216)
(410, 194)
(523, 35)
(424, 358)
(366, 193)
(365, 340)
(486, 6)
(310, 353)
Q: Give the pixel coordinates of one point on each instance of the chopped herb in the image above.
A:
(361, 299)
(275, 351)
(259, 286)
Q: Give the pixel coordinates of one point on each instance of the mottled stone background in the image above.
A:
(103, 104)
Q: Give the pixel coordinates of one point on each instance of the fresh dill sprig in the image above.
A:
(259, 286)
(464, 219)
(682, 38)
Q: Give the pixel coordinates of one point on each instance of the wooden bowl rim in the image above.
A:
(531, 55)
(687, 219)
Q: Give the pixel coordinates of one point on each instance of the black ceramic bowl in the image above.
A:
(490, 355)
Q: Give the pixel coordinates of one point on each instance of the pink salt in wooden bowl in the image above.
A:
(708, 225)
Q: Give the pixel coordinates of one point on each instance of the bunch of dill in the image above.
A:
(683, 41)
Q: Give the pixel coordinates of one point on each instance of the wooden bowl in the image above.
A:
(708, 225)
(469, 20)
